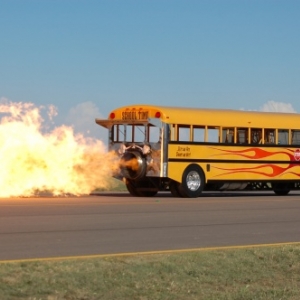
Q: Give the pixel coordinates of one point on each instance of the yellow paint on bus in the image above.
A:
(196, 149)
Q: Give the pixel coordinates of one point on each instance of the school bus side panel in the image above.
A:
(235, 163)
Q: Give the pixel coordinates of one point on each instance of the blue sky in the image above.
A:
(88, 57)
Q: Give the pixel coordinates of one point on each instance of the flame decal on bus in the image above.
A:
(257, 153)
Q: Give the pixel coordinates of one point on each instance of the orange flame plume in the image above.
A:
(57, 161)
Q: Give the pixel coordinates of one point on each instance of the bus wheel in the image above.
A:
(135, 188)
(174, 188)
(131, 188)
(281, 189)
(193, 182)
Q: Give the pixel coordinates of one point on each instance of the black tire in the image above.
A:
(131, 188)
(281, 188)
(173, 186)
(134, 187)
(193, 182)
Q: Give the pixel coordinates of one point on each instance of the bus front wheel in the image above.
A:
(193, 182)
(140, 188)
(131, 188)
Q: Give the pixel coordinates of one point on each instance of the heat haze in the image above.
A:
(34, 159)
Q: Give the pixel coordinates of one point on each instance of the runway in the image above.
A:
(117, 223)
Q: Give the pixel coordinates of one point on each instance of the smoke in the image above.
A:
(82, 119)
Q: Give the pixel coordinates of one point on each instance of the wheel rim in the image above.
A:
(193, 181)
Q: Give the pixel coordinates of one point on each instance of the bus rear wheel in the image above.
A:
(193, 182)
(281, 188)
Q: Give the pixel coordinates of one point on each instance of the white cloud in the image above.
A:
(82, 118)
(272, 106)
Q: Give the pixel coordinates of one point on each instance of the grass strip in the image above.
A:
(114, 185)
(253, 273)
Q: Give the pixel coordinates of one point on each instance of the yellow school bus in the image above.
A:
(190, 150)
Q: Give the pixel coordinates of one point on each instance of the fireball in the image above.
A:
(57, 161)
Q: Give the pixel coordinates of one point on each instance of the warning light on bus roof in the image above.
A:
(112, 115)
(157, 114)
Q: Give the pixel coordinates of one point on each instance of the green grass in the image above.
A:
(114, 185)
(254, 273)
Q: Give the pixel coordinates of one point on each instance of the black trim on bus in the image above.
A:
(233, 161)
(235, 145)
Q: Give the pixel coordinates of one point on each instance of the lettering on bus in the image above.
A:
(183, 151)
(135, 115)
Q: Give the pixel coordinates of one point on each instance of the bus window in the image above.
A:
(269, 136)
(295, 137)
(139, 133)
(129, 133)
(135, 133)
(119, 133)
(154, 134)
(213, 134)
(183, 133)
(198, 133)
(256, 136)
(242, 135)
(228, 135)
(283, 136)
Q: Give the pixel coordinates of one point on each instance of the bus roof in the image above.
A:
(210, 117)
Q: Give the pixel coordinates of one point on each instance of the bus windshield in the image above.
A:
(135, 133)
